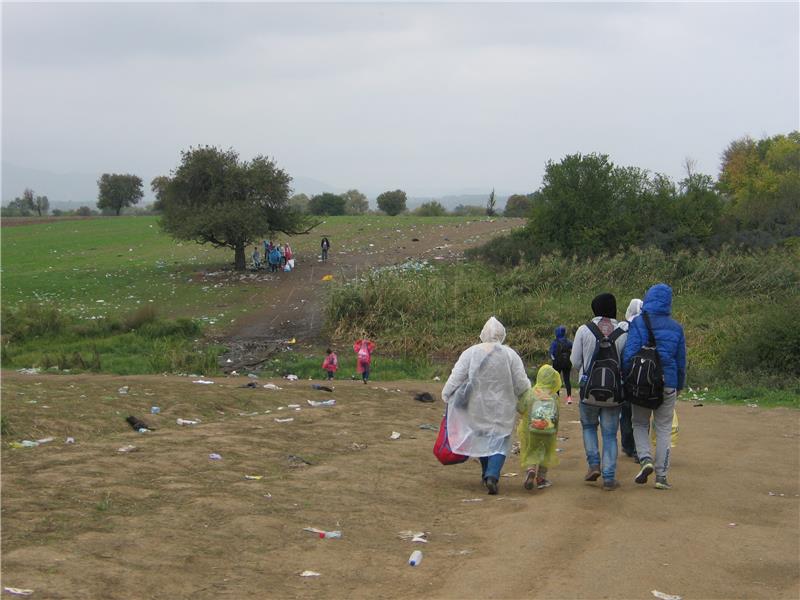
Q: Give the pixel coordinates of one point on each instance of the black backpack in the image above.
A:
(562, 361)
(644, 385)
(604, 384)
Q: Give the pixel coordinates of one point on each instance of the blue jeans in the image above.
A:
(491, 465)
(609, 422)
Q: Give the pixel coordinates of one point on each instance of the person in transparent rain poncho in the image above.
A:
(538, 427)
(481, 395)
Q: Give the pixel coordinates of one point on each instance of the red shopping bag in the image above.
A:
(441, 449)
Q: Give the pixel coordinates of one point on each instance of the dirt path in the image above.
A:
(86, 521)
(295, 300)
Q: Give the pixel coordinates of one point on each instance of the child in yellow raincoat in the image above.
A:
(538, 428)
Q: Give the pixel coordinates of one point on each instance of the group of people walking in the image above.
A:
(276, 256)
(629, 373)
(363, 347)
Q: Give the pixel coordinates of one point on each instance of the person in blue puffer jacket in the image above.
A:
(671, 345)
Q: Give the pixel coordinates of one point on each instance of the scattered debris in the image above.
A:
(18, 591)
(429, 427)
(327, 278)
(752, 405)
(357, 446)
(414, 536)
(252, 376)
(437, 378)
(424, 397)
(298, 461)
(415, 558)
(289, 420)
(292, 406)
(309, 574)
(187, 421)
(664, 596)
(291, 377)
(317, 403)
(203, 381)
(697, 404)
(128, 448)
(215, 456)
(250, 414)
(271, 386)
(33, 371)
(138, 425)
(154, 410)
(508, 475)
(473, 500)
(123, 390)
(69, 440)
(250, 384)
(324, 388)
(776, 494)
(731, 524)
(515, 448)
(253, 477)
(395, 435)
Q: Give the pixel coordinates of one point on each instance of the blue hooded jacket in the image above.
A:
(670, 340)
(561, 334)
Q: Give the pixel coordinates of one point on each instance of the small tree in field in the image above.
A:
(356, 203)
(430, 209)
(326, 204)
(518, 205)
(490, 203)
(116, 192)
(214, 198)
(392, 203)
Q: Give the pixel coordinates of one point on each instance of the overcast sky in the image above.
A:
(430, 98)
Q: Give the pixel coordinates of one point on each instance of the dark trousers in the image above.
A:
(626, 429)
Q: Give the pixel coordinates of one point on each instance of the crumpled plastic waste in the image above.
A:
(395, 435)
(292, 406)
(508, 475)
(215, 456)
(663, 596)
(473, 500)
(123, 390)
(429, 427)
(18, 591)
(317, 403)
(327, 278)
(271, 386)
(291, 377)
(324, 388)
(289, 420)
(203, 381)
(309, 574)
(127, 448)
(253, 477)
(414, 536)
(69, 440)
(187, 421)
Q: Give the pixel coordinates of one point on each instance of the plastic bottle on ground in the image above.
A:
(415, 558)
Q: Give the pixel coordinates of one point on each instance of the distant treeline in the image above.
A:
(587, 205)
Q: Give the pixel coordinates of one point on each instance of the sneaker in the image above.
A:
(645, 472)
(593, 474)
(491, 483)
(661, 483)
(530, 479)
(609, 485)
(569, 399)
(542, 483)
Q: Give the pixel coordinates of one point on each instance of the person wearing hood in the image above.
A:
(560, 350)
(625, 424)
(538, 428)
(604, 307)
(481, 395)
(671, 347)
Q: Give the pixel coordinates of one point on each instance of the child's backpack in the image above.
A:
(363, 352)
(604, 383)
(543, 414)
(644, 385)
(562, 361)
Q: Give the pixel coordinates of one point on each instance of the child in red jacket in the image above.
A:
(331, 363)
(363, 349)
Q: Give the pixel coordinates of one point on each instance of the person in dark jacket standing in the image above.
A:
(671, 346)
(560, 350)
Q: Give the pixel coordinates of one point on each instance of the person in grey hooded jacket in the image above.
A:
(671, 346)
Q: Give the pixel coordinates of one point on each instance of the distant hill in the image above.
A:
(451, 201)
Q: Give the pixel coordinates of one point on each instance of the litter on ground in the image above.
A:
(18, 591)
(663, 596)
(395, 435)
(289, 420)
(253, 477)
(187, 421)
(508, 475)
(214, 456)
(291, 377)
(317, 403)
(309, 574)
(127, 448)
(203, 381)
(271, 386)
(473, 500)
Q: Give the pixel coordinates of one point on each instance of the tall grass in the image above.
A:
(437, 313)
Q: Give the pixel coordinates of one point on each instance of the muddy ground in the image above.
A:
(84, 520)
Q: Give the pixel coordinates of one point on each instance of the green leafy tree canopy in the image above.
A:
(215, 198)
(326, 204)
(392, 203)
(116, 191)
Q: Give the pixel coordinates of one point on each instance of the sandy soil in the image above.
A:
(86, 521)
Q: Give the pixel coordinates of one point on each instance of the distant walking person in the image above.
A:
(325, 245)
(256, 257)
(274, 259)
(330, 364)
(670, 345)
(560, 350)
(601, 339)
(363, 349)
(481, 395)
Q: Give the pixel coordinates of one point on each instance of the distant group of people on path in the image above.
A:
(629, 372)
(277, 257)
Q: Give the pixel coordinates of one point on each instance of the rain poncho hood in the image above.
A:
(561, 332)
(548, 379)
(493, 331)
(634, 308)
(481, 394)
(658, 300)
(605, 305)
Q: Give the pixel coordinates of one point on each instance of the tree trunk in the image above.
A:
(239, 261)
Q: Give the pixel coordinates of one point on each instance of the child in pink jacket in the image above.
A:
(331, 363)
